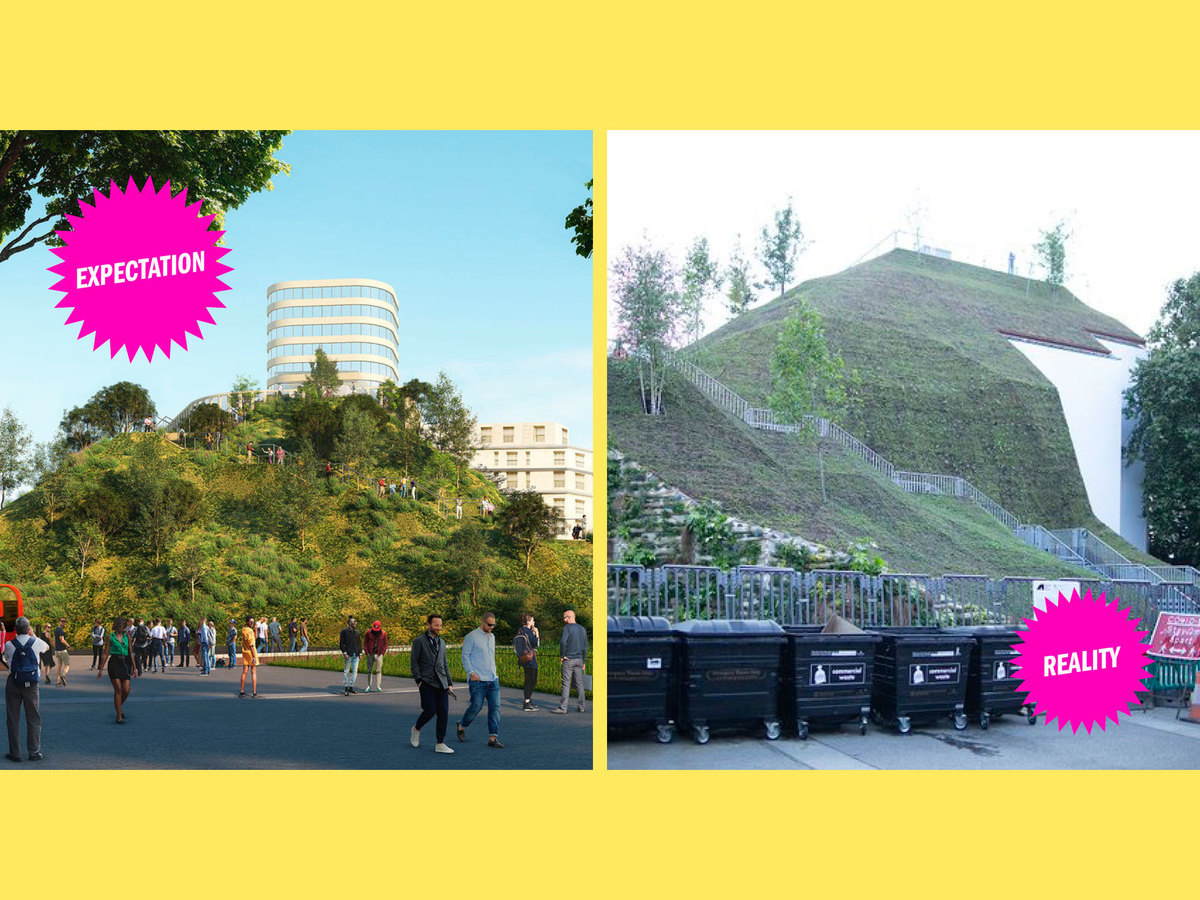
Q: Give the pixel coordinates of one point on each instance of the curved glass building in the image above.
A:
(354, 320)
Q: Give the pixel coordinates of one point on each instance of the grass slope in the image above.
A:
(367, 556)
(942, 390)
(771, 480)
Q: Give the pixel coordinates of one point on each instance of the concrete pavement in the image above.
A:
(300, 720)
(1144, 740)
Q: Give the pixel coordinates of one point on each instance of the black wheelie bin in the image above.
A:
(828, 677)
(643, 683)
(730, 675)
(921, 674)
(992, 679)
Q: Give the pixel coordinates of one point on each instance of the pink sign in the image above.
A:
(1176, 636)
(1081, 661)
(140, 269)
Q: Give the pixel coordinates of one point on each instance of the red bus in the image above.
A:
(12, 607)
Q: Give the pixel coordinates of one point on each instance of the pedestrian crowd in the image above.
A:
(131, 648)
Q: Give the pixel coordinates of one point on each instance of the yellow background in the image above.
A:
(610, 65)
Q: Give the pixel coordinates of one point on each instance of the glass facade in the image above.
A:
(326, 303)
(331, 329)
(332, 347)
(344, 365)
(327, 311)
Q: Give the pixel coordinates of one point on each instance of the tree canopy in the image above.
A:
(778, 246)
(16, 444)
(649, 313)
(221, 168)
(1052, 250)
(116, 409)
(579, 220)
(528, 521)
(1164, 398)
(807, 377)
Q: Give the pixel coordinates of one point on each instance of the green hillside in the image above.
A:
(771, 480)
(941, 389)
(388, 558)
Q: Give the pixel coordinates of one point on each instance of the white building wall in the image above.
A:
(538, 456)
(1091, 389)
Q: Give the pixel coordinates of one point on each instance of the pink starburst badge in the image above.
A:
(1082, 660)
(140, 269)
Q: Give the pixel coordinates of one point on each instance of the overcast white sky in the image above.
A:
(1132, 200)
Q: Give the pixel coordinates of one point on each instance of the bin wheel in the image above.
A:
(802, 731)
(701, 734)
(904, 723)
(862, 725)
(984, 718)
(960, 721)
(665, 734)
(774, 730)
(1031, 717)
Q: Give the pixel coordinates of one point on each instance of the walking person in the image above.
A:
(274, 644)
(375, 646)
(261, 634)
(231, 635)
(97, 643)
(350, 643)
(479, 662)
(185, 645)
(293, 629)
(304, 634)
(432, 674)
(525, 645)
(47, 655)
(121, 669)
(573, 653)
(21, 690)
(249, 658)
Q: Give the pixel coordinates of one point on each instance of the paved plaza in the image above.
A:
(1144, 740)
(300, 720)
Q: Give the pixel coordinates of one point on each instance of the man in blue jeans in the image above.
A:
(207, 636)
(479, 662)
(231, 636)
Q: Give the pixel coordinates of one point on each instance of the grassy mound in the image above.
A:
(942, 390)
(772, 480)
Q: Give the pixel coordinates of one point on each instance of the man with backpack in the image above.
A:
(97, 642)
(21, 656)
(141, 645)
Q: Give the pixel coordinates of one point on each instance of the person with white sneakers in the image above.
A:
(432, 674)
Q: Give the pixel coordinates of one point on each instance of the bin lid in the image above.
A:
(637, 624)
(757, 627)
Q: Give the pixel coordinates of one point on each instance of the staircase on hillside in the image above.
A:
(1179, 584)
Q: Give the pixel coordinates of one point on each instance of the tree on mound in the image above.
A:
(116, 409)
(807, 377)
(528, 521)
(649, 313)
(323, 379)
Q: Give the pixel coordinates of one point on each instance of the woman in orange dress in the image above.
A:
(249, 658)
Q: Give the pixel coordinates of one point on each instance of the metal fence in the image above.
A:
(790, 597)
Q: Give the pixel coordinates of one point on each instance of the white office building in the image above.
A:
(539, 456)
(354, 320)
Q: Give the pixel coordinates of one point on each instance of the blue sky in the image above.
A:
(468, 227)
